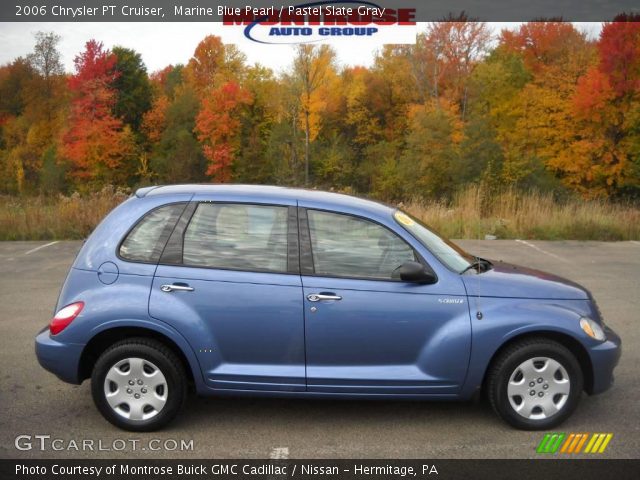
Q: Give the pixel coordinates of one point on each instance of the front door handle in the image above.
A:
(316, 297)
(176, 287)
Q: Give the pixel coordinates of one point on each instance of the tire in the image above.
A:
(158, 379)
(538, 365)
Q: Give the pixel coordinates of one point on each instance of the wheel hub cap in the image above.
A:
(538, 388)
(136, 389)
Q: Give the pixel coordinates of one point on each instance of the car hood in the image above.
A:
(513, 281)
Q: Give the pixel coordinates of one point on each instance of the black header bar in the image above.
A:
(214, 11)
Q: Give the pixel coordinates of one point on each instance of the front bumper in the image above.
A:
(61, 359)
(604, 358)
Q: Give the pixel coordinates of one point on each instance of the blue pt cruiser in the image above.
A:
(252, 290)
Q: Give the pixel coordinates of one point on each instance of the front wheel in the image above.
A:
(138, 384)
(535, 384)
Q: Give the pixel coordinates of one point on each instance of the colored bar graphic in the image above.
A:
(558, 442)
(550, 443)
(598, 443)
(572, 443)
(542, 448)
(591, 442)
(570, 439)
(606, 442)
(582, 441)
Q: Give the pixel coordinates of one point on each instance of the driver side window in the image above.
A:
(348, 246)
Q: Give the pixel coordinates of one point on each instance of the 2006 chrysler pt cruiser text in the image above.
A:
(251, 290)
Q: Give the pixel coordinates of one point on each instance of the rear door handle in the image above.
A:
(177, 287)
(316, 297)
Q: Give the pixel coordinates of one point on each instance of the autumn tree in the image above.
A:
(541, 125)
(361, 114)
(14, 80)
(546, 44)
(446, 55)
(154, 121)
(214, 63)
(96, 143)
(282, 146)
(217, 126)
(488, 151)
(259, 118)
(313, 67)
(132, 87)
(45, 60)
(32, 107)
(542, 107)
(173, 150)
(604, 159)
(166, 81)
(176, 155)
(429, 164)
(392, 89)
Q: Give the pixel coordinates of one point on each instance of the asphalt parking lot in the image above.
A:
(33, 402)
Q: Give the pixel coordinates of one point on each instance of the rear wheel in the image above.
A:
(138, 384)
(535, 384)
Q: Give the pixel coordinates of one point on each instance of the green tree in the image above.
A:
(14, 79)
(52, 174)
(132, 86)
(252, 164)
(429, 162)
(176, 156)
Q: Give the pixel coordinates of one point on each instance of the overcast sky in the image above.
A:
(161, 44)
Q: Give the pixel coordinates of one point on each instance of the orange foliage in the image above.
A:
(154, 121)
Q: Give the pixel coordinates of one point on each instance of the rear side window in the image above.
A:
(237, 237)
(145, 241)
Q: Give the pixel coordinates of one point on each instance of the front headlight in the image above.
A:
(592, 329)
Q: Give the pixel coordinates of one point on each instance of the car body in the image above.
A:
(257, 290)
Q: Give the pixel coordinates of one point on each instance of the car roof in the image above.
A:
(262, 192)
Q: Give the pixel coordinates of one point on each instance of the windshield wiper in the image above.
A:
(480, 264)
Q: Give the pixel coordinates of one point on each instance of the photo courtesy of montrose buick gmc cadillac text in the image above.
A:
(252, 290)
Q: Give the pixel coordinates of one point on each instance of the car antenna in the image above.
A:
(478, 310)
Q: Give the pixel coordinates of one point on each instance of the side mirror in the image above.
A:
(415, 272)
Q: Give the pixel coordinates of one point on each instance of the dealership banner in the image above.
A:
(299, 12)
(314, 469)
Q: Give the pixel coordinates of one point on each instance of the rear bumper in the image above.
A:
(604, 358)
(61, 359)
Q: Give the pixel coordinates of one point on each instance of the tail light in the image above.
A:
(64, 317)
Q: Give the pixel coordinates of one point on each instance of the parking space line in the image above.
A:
(41, 247)
(279, 453)
(535, 247)
(636, 242)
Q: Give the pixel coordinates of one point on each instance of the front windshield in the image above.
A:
(449, 254)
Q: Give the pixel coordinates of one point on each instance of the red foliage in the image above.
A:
(540, 43)
(218, 125)
(94, 139)
(619, 49)
(94, 64)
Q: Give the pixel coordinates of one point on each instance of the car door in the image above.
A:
(367, 332)
(229, 280)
